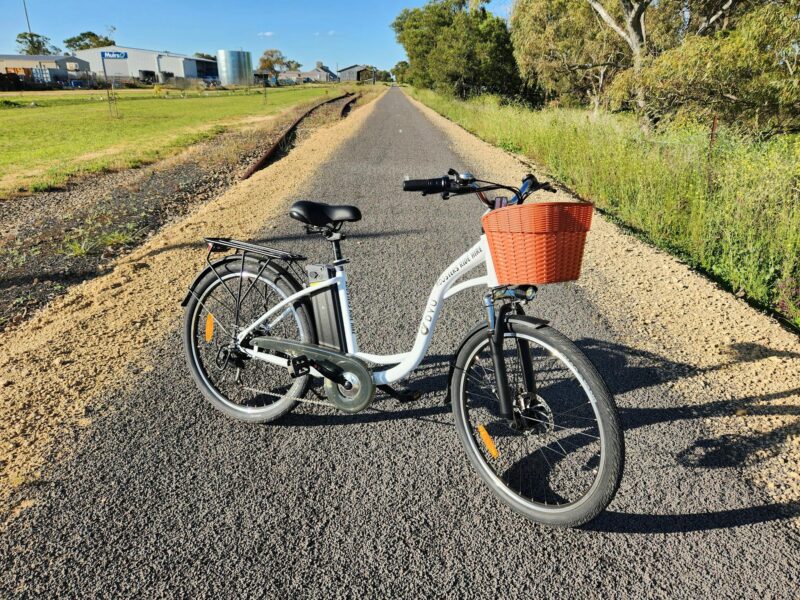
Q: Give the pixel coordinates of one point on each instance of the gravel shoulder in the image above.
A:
(55, 367)
(739, 368)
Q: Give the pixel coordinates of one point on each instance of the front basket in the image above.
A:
(538, 243)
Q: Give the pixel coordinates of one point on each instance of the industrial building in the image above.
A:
(235, 67)
(320, 73)
(122, 63)
(45, 68)
(355, 73)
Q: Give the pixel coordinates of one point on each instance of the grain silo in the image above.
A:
(235, 67)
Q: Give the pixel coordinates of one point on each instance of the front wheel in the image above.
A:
(559, 461)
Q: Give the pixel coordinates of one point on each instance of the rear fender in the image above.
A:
(278, 270)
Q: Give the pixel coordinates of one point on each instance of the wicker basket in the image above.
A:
(539, 242)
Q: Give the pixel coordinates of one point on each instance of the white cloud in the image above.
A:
(266, 33)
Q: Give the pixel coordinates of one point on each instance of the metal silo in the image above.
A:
(235, 67)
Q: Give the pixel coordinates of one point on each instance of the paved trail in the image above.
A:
(167, 497)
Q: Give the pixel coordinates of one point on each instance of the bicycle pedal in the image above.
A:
(402, 396)
(300, 366)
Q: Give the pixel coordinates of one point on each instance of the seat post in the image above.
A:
(337, 250)
(334, 237)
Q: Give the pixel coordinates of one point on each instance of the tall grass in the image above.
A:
(731, 208)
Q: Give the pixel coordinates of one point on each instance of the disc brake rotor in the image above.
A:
(536, 418)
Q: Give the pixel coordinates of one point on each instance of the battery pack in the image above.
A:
(325, 306)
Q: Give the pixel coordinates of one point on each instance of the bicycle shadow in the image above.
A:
(620, 522)
(625, 370)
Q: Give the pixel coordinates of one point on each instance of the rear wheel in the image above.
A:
(221, 306)
(560, 460)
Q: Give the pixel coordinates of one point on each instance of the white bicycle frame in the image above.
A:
(404, 363)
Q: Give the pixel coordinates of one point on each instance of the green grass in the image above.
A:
(733, 211)
(92, 239)
(65, 134)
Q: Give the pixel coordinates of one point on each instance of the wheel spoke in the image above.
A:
(244, 382)
(544, 457)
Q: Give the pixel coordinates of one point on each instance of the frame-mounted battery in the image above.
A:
(326, 309)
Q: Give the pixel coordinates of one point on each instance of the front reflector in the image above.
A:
(209, 327)
(488, 441)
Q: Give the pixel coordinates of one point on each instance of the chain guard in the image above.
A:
(353, 370)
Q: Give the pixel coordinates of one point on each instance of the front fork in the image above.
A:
(498, 326)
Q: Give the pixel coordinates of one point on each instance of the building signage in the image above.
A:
(114, 55)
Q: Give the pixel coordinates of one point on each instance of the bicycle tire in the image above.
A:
(611, 462)
(230, 270)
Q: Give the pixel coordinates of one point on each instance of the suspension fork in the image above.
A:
(498, 326)
(496, 333)
(524, 355)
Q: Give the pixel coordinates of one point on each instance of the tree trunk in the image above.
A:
(635, 35)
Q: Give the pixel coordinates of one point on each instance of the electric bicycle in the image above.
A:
(534, 416)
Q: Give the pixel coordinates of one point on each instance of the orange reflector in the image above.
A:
(209, 327)
(488, 441)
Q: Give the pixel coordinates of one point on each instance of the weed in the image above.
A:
(733, 211)
(92, 240)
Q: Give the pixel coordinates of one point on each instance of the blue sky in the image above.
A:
(342, 33)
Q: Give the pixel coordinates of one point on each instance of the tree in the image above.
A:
(400, 71)
(86, 40)
(746, 75)
(417, 30)
(560, 46)
(457, 47)
(632, 31)
(273, 62)
(205, 55)
(33, 43)
(293, 65)
(696, 16)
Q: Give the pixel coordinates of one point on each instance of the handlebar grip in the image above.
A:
(427, 186)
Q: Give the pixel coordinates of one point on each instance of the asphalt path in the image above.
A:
(166, 497)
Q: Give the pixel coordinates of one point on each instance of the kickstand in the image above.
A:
(402, 396)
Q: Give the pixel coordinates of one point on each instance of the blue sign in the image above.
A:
(114, 55)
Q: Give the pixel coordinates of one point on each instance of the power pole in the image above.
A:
(30, 32)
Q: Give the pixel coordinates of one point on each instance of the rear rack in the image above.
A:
(218, 244)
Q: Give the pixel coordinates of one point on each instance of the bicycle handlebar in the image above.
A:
(467, 184)
(427, 186)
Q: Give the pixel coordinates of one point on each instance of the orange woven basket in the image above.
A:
(538, 243)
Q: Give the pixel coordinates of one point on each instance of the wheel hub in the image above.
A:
(533, 417)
